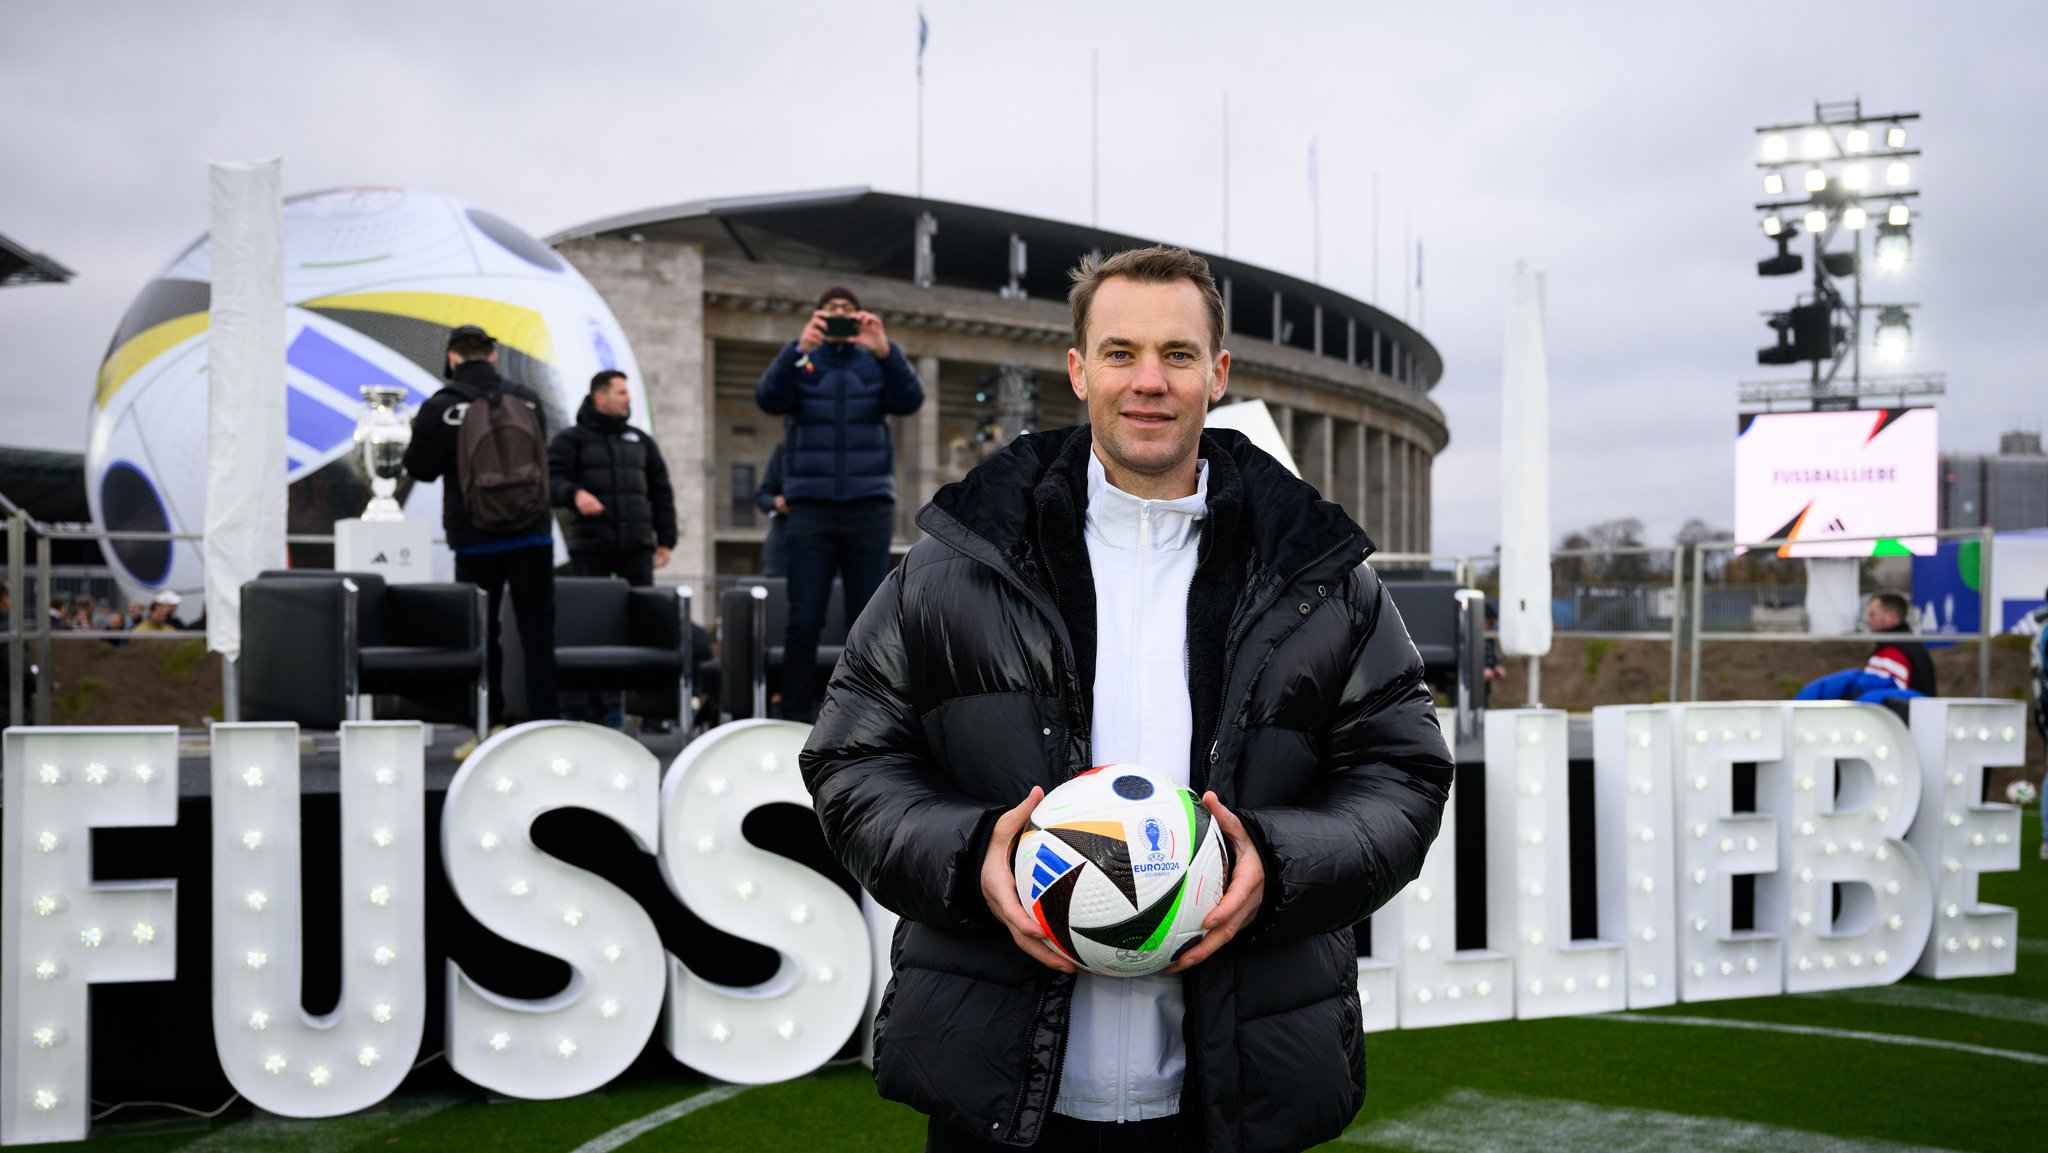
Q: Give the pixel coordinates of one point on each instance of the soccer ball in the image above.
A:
(375, 279)
(2021, 792)
(1119, 866)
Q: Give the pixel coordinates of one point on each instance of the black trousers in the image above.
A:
(635, 566)
(1066, 1135)
(849, 540)
(531, 573)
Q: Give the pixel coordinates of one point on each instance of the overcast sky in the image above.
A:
(1609, 143)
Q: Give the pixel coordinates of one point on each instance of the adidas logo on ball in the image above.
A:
(1119, 866)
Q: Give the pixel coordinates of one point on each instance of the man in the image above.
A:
(1136, 591)
(610, 476)
(161, 610)
(522, 554)
(835, 394)
(1896, 670)
(769, 499)
(2034, 627)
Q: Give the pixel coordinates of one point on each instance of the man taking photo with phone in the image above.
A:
(835, 386)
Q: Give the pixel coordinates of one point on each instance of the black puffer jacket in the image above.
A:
(621, 466)
(965, 683)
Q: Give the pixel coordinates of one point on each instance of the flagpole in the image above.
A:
(1407, 264)
(1315, 195)
(1226, 174)
(1094, 138)
(1376, 237)
(1421, 297)
(923, 33)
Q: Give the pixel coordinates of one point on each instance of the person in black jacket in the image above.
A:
(836, 394)
(769, 499)
(610, 476)
(1003, 657)
(523, 557)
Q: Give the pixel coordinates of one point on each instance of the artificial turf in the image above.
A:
(1848, 1089)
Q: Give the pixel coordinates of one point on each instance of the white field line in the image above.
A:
(1469, 1121)
(608, 1141)
(1837, 1034)
(1992, 1006)
(325, 1135)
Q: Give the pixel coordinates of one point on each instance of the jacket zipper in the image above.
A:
(1230, 658)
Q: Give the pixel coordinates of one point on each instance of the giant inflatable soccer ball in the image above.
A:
(1119, 866)
(374, 280)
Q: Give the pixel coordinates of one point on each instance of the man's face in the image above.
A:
(614, 399)
(1878, 618)
(1148, 378)
(161, 614)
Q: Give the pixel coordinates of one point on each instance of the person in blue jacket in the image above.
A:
(835, 394)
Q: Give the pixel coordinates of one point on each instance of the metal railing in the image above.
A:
(1687, 623)
(1700, 636)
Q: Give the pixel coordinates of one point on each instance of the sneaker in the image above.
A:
(467, 747)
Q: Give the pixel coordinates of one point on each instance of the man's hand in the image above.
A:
(781, 505)
(587, 504)
(1240, 901)
(660, 557)
(999, 887)
(871, 335)
(813, 334)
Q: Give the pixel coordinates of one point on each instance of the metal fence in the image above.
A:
(1686, 595)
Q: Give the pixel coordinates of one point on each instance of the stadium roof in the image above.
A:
(20, 266)
(861, 231)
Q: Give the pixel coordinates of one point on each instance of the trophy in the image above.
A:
(383, 430)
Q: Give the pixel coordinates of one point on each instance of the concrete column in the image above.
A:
(1283, 419)
(656, 290)
(1425, 518)
(1383, 470)
(1326, 452)
(926, 421)
(1319, 330)
(1276, 319)
(1350, 340)
(1398, 527)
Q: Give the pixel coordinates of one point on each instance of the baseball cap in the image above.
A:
(168, 597)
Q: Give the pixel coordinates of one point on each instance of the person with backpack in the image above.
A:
(488, 437)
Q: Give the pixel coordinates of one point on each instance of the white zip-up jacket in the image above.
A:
(1125, 1057)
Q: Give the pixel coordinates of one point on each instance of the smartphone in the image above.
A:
(841, 326)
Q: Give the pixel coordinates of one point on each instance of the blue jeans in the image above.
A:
(849, 540)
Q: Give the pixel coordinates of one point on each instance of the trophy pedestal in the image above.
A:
(400, 551)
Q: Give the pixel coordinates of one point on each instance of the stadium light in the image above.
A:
(1894, 333)
(1836, 197)
(1894, 242)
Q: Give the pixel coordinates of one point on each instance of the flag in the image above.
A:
(924, 33)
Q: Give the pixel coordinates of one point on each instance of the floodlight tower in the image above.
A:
(1838, 176)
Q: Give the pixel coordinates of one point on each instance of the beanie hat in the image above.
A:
(838, 292)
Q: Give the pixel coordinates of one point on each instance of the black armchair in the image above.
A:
(611, 636)
(740, 650)
(314, 642)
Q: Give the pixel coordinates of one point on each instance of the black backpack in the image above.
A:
(501, 461)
